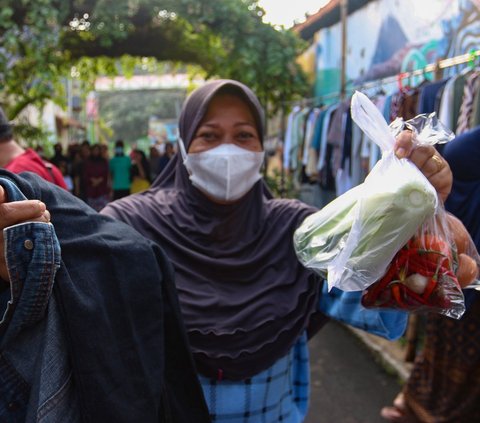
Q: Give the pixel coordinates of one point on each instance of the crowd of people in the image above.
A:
(92, 175)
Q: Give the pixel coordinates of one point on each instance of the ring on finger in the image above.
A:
(438, 162)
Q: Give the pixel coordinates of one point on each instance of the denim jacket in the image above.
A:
(97, 340)
(34, 367)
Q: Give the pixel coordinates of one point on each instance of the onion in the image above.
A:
(416, 282)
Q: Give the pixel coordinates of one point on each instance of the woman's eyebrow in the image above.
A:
(244, 123)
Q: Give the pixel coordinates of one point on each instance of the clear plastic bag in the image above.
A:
(352, 240)
(466, 257)
(429, 272)
(424, 275)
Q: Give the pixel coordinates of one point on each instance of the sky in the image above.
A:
(285, 12)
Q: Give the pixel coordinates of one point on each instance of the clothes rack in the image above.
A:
(439, 65)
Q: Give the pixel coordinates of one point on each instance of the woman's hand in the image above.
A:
(17, 212)
(428, 160)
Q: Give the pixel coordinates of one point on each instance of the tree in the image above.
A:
(128, 113)
(40, 40)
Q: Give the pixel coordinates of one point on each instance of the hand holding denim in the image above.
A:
(15, 212)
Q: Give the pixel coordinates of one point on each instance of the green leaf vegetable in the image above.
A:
(353, 239)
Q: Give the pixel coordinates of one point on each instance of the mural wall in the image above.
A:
(387, 37)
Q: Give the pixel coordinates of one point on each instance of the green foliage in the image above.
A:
(127, 112)
(44, 41)
(281, 186)
(30, 63)
(34, 136)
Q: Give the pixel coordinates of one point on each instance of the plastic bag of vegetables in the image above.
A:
(352, 240)
(427, 274)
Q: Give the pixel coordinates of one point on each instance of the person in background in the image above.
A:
(104, 152)
(82, 154)
(139, 172)
(444, 384)
(165, 157)
(247, 302)
(154, 158)
(17, 159)
(63, 167)
(58, 156)
(96, 178)
(40, 152)
(120, 171)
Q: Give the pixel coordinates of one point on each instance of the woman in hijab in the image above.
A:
(444, 384)
(246, 300)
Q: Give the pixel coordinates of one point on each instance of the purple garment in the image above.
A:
(244, 296)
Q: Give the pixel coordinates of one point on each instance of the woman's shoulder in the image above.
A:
(148, 200)
(290, 206)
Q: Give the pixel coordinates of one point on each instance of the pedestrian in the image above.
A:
(444, 384)
(153, 159)
(139, 172)
(63, 167)
(120, 171)
(94, 335)
(96, 179)
(81, 157)
(247, 302)
(165, 157)
(104, 152)
(58, 156)
(18, 159)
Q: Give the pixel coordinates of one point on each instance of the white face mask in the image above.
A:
(226, 172)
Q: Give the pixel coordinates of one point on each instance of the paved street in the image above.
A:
(348, 385)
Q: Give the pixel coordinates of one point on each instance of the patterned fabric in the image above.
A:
(278, 394)
(449, 367)
(466, 109)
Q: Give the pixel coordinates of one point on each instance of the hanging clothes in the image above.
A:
(446, 105)
(336, 134)
(357, 165)
(314, 148)
(466, 108)
(309, 153)
(325, 146)
(428, 97)
(289, 135)
(327, 120)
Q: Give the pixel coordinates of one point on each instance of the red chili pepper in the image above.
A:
(431, 285)
(397, 295)
(379, 286)
(413, 258)
(415, 296)
(414, 267)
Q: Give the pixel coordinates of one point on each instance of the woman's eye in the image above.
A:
(245, 135)
(209, 136)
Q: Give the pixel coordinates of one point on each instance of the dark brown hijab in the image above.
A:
(245, 297)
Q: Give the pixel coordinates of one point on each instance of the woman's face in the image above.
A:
(228, 120)
(95, 151)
